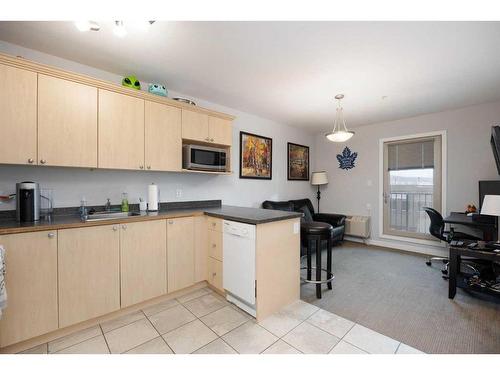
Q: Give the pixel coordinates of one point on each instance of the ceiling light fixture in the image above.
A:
(339, 132)
(87, 26)
(119, 29)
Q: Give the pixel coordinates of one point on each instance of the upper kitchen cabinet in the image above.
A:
(207, 129)
(195, 126)
(67, 123)
(220, 131)
(121, 131)
(18, 103)
(163, 151)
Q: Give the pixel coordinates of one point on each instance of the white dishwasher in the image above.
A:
(238, 255)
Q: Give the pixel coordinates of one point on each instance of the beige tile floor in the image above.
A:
(202, 322)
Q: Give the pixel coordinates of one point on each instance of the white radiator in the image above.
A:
(357, 226)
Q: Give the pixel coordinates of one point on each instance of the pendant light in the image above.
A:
(339, 132)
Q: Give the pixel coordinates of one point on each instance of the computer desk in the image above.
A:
(489, 229)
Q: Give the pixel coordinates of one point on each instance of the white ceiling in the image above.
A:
(290, 71)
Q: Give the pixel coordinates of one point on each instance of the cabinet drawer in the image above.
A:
(214, 224)
(215, 273)
(215, 244)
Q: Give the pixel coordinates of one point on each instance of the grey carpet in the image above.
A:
(396, 294)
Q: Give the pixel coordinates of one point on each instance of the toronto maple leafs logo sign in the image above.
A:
(347, 159)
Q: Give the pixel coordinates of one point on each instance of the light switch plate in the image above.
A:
(296, 228)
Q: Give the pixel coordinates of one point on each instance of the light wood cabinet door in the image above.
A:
(163, 145)
(220, 131)
(143, 261)
(180, 253)
(67, 123)
(89, 273)
(200, 248)
(31, 282)
(215, 273)
(18, 97)
(195, 126)
(121, 131)
(215, 244)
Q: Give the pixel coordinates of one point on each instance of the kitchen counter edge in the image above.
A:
(241, 214)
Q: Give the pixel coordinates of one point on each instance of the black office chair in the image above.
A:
(436, 229)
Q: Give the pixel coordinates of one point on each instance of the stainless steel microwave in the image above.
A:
(204, 158)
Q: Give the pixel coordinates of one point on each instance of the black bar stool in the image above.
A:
(312, 236)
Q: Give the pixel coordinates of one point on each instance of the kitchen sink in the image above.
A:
(107, 215)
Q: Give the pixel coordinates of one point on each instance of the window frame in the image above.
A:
(444, 164)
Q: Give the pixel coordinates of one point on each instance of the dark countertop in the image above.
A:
(250, 215)
(241, 214)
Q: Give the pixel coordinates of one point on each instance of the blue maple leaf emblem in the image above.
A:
(346, 159)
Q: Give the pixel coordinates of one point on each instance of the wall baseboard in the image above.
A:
(413, 248)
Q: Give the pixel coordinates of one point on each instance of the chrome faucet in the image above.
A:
(107, 206)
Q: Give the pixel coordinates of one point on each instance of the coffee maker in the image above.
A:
(28, 201)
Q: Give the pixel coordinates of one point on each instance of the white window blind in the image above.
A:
(415, 154)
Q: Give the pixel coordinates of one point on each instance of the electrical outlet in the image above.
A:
(178, 193)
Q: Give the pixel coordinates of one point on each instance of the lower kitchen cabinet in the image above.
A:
(31, 282)
(214, 276)
(143, 261)
(89, 273)
(180, 253)
(215, 244)
(200, 248)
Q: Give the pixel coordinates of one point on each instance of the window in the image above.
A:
(412, 176)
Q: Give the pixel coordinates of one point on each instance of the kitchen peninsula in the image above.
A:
(65, 273)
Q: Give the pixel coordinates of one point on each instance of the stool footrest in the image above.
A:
(330, 276)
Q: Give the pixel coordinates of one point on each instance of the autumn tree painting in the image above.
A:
(255, 156)
(298, 162)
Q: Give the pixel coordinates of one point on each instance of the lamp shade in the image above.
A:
(319, 178)
(491, 205)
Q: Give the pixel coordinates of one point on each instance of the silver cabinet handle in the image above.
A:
(141, 167)
(31, 161)
(170, 221)
(214, 274)
(214, 245)
(149, 167)
(207, 139)
(211, 139)
(124, 226)
(115, 228)
(43, 161)
(51, 235)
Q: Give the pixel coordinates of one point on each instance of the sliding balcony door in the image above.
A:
(412, 174)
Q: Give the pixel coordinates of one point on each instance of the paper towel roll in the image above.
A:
(152, 197)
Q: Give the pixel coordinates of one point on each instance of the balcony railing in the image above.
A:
(406, 213)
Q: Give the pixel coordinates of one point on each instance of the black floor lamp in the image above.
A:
(319, 178)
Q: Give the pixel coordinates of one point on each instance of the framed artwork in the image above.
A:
(298, 162)
(256, 156)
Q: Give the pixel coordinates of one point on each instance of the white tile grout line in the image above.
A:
(77, 343)
(165, 341)
(105, 340)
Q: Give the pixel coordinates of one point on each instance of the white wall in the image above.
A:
(70, 184)
(469, 160)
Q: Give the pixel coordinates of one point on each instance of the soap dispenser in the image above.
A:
(124, 202)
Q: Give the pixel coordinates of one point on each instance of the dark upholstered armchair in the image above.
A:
(337, 221)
